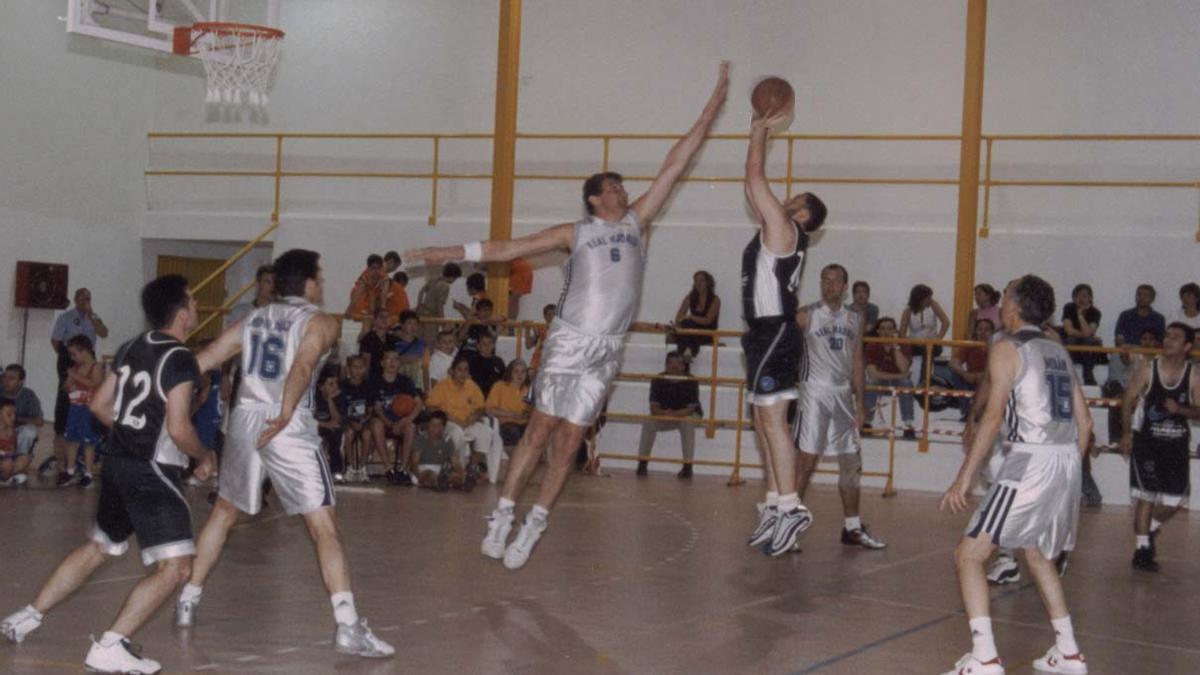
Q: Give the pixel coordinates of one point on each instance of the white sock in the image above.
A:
(505, 504)
(1155, 524)
(983, 644)
(71, 471)
(190, 593)
(789, 501)
(1143, 541)
(539, 512)
(853, 524)
(343, 608)
(110, 638)
(1064, 636)
(38, 616)
(772, 499)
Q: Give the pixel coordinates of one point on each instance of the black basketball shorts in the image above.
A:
(142, 497)
(772, 352)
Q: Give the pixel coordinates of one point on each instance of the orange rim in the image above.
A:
(239, 29)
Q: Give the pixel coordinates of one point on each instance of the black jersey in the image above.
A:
(147, 368)
(383, 391)
(769, 282)
(1157, 424)
(356, 399)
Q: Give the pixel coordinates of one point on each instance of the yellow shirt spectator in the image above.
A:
(510, 399)
(459, 402)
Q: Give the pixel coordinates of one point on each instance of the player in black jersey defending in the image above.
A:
(146, 399)
(771, 267)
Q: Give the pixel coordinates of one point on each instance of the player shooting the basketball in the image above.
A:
(582, 351)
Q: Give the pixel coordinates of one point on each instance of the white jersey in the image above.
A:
(270, 338)
(1040, 408)
(603, 276)
(830, 343)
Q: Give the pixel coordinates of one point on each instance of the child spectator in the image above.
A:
(29, 418)
(481, 322)
(397, 295)
(369, 292)
(8, 444)
(434, 462)
(373, 343)
(440, 357)
(83, 378)
(506, 403)
(431, 301)
(464, 405)
(486, 367)
(411, 349)
(389, 422)
(520, 283)
(355, 400)
(476, 293)
(329, 414)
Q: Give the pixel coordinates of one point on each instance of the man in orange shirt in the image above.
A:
(520, 282)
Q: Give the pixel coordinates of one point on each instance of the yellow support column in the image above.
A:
(968, 166)
(504, 145)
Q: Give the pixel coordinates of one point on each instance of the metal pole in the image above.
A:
(504, 147)
(968, 165)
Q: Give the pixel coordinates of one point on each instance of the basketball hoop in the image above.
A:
(238, 59)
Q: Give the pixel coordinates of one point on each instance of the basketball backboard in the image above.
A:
(151, 23)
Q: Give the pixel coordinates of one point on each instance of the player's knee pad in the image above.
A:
(849, 470)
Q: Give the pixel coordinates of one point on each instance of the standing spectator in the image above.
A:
(700, 309)
(861, 292)
(486, 367)
(11, 466)
(391, 262)
(923, 319)
(987, 306)
(369, 291)
(411, 349)
(1130, 326)
(1081, 326)
(520, 283)
(968, 365)
(328, 413)
(392, 421)
(480, 322)
(536, 335)
(434, 463)
(1189, 309)
(888, 366)
(28, 418)
(83, 379)
(507, 403)
(79, 321)
(441, 357)
(672, 396)
(264, 294)
(373, 343)
(397, 296)
(431, 301)
(355, 400)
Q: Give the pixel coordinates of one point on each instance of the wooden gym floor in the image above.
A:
(634, 575)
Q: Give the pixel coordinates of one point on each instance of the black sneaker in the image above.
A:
(86, 481)
(65, 479)
(861, 537)
(642, 468)
(48, 467)
(1143, 559)
(910, 434)
(685, 472)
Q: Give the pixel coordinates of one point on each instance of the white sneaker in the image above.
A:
(358, 640)
(121, 656)
(517, 553)
(768, 516)
(499, 526)
(969, 665)
(185, 613)
(1056, 662)
(19, 624)
(19, 480)
(1004, 570)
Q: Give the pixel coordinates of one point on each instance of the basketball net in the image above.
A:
(238, 60)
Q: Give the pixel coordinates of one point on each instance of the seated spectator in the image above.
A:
(672, 396)
(464, 405)
(701, 310)
(861, 292)
(374, 342)
(506, 403)
(396, 299)
(438, 359)
(481, 322)
(536, 335)
(987, 306)
(356, 402)
(888, 365)
(10, 474)
(486, 367)
(968, 365)
(83, 379)
(476, 292)
(431, 301)
(1189, 308)
(434, 462)
(520, 283)
(369, 291)
(1080, 326)
(1130, 326)
(410, 348)
(394, 419)
(923, 319)
(328, 412)
(29, 418)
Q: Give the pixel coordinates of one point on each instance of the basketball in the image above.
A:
(771, 95)
(403, 405)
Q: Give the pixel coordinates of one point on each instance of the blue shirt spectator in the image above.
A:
(1140, 318)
